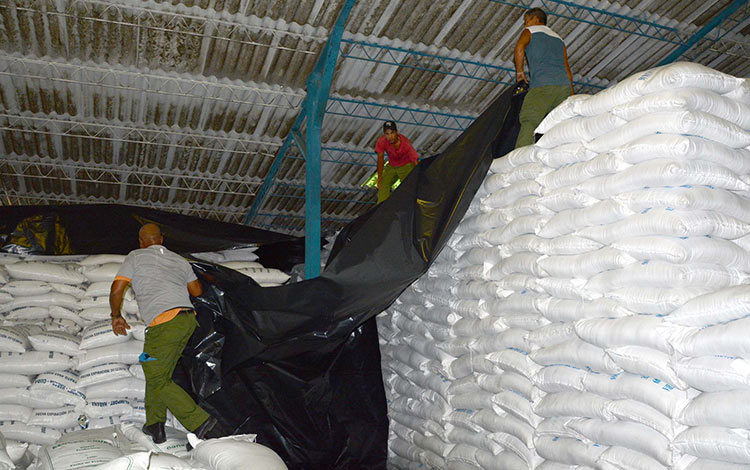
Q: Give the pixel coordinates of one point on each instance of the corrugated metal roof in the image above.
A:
(184, 105)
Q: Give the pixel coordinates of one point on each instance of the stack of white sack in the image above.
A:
(588, 312)
(266, 277)
(245, 261)
(125, 447)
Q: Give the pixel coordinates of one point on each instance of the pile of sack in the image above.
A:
(62, 369)
(590, 312)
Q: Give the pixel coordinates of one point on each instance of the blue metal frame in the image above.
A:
(418, 117)
(318, 89)
(381, 54)
(714, 23)
(602, 18)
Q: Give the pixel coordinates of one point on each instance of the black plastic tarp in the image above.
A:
(299, 365)
(112, 228)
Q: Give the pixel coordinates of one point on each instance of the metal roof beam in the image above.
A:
(456, 67)
(150, 82)
(714, 23)
(605, 18)
(13, 165)
(401, 114)
(124, 132)
(13, 197)
(723, 39)
(195, 22)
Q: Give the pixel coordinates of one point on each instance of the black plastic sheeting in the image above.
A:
(112, 228)
(299, 365)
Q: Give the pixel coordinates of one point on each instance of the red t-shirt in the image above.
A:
(400, 156)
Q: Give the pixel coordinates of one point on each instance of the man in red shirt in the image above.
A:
(402, 158)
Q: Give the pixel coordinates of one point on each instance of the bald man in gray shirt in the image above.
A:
(162, 282)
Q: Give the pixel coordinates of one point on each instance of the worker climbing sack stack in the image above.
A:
(63, 369)
(589, 310)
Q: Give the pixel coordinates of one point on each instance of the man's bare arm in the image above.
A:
(520, 55)
(567, 68)
(116, 293)
(194, 288)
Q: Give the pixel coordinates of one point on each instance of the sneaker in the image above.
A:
(156, 431)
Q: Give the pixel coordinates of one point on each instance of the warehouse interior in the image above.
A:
(260, 119)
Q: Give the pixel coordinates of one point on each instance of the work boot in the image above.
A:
(156, 431)
(203, 430)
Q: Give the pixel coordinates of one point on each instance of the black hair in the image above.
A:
(537, 13)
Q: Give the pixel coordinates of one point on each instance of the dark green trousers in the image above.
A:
(165, 343)
(390, 175)
(537, 104)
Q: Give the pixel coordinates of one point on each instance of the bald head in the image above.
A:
(150, 235)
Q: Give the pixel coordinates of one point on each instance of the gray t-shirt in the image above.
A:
(159, 280)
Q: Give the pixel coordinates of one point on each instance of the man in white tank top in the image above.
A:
(551, 80)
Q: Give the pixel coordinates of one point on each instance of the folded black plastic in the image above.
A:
(113, 228)
(299, 365)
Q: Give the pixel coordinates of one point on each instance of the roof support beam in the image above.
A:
(318, 88)
(456, 67)
(604, 18)
(714, 23)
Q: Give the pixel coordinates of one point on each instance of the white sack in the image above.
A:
(561, 113)
(58, 386)
(61, 418)
(686, 99)
(669, 223)
(12, 340)
(714, 373)
(577, 404)
(686, 250)
(726, 409)
(679, 122)
(33, 362)
(730, 303)
(684, 147)
(26, 288)
(645, 361)
(578, 129)
(125, 353)
(638, 330)
(726, 339)
(97, 408)
(718, 443)
(576, 353)
(652, 391)
(234, 452)
(626, 434)
(100, 334)
(101, 273)
(55, 341)
(41, 271)
(32, 434)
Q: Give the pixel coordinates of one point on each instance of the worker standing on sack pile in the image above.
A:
(551, 80)
(161, 281)
(402, 158)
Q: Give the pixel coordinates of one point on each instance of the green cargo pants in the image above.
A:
(164, 343)
(537, 104)
(389, 176)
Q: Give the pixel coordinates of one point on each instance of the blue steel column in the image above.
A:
(701, 33)
(318, 88)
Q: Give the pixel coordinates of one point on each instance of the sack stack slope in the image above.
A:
(591, 310)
